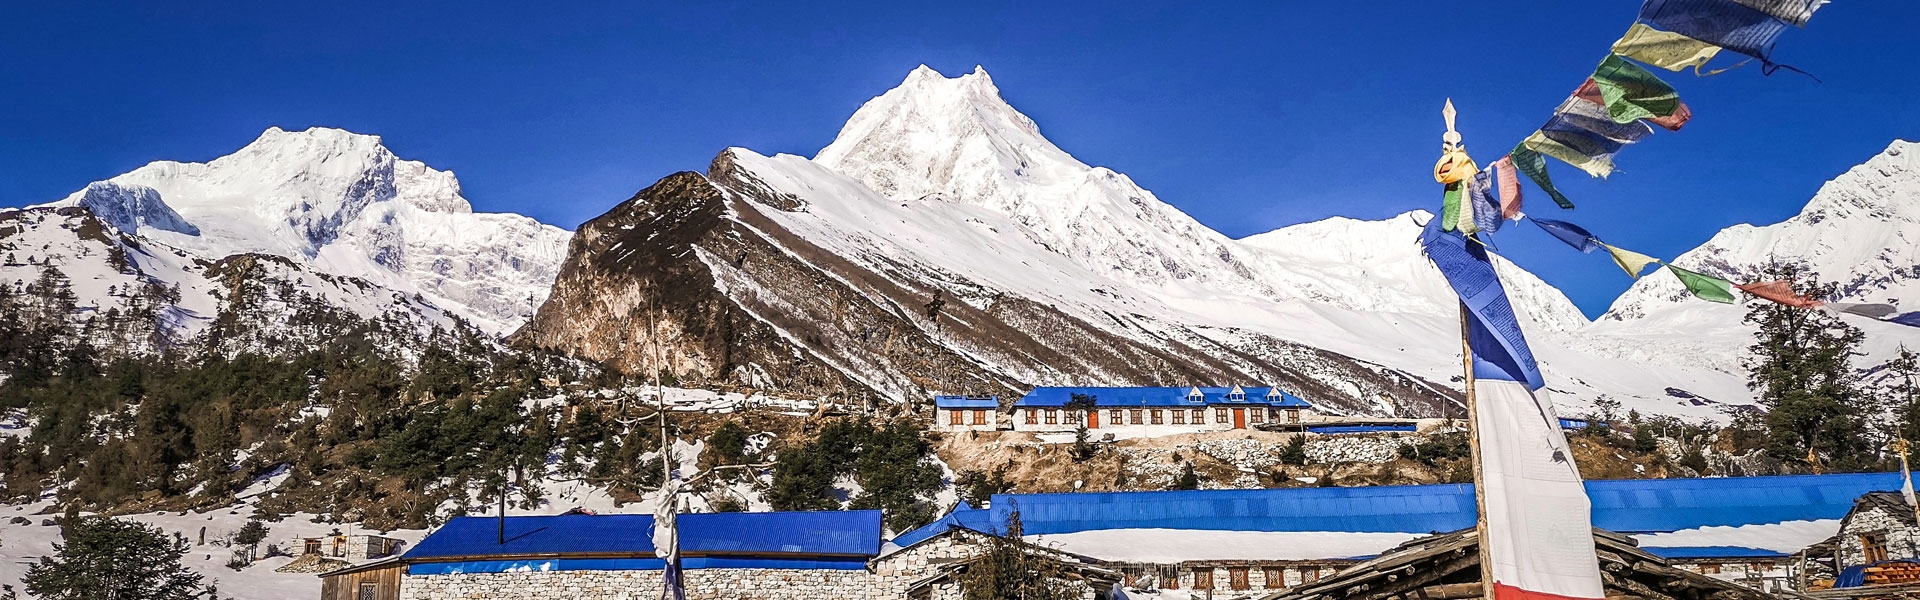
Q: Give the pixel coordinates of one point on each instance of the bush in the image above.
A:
(103, 557)
(1445, 446)
(1188, 480)
(1295, 452)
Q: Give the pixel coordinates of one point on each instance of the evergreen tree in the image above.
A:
(1188, 480)
(1902, 395)
(250, 535)
(108, 559)
(1801, 367)
(1012, 569)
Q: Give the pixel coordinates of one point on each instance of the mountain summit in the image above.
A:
(344, 204)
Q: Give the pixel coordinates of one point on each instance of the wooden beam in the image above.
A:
(1447, 591)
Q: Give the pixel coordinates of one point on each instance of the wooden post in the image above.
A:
(1450, 142)
(1473, 442)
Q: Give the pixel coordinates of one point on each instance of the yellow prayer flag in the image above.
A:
(1664, 49)
(1597, 166)
(1631, 262)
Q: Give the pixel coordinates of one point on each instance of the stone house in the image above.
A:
(925, 563)
(966, 413)
(352, 547)
(1152, 411)
(1879, 528)
(774, 555)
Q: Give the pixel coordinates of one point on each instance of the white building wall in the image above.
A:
(972, 419)
(1035, 419)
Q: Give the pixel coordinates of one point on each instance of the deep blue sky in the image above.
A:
(1247, 117)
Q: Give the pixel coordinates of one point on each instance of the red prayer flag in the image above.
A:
(1508, 182)
(1780, 291)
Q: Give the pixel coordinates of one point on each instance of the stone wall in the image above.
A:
(1902, 542)
(702, 584)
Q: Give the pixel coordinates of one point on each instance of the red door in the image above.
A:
(1093, 419)
(1239, 418)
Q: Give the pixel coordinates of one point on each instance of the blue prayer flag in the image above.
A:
(1500, 350)
(1570, 233)
(1724, 23)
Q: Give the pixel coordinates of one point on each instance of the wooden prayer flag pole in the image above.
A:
(1450, 142)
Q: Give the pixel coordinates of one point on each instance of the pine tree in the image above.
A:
(250, 535)
(1902, 394)
(108, 559)
(1800, 365)
(1012, 569)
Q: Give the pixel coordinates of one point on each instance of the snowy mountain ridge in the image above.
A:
(344, 204)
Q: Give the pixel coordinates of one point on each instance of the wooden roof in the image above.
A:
(1447, 567)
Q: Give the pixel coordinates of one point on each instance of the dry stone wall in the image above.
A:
(702, 584)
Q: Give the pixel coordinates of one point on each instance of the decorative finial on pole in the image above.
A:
(1450, 141)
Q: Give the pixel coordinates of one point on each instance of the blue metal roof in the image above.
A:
(851, 533)
(966, 402)
(1332, 429)
(1161, 396)
(1712, 552)
(1627, 506)
(963, 516)
(1572, 423)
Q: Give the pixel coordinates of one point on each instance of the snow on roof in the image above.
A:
(1161, 396)
(1180, 545)
(1777, 538)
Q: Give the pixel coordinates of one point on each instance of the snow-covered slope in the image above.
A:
(1861, 230)
(940, 182)
(344, 204)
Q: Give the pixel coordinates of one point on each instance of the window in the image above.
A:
(1113, 417)
(312, 546)
(1873, 548)
(1179, 417)
(1134, 415)
(1033, 416)
(1274, 578)
(1203, 579)
(1220, 415)
(1157, 416)
(1310, 575)
(979, 416)
(1199, 416)
(955, 417)
(1293, 415)
(1053, 417)
(1257, 415)
(1710, 568)
(368, 591)
(1073, 417)
(1237, 578)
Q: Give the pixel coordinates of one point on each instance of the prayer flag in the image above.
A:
(1796, 12)
(1509, 186)
(1594, 118)
(1590, 92)
(1486, 214)
(1631, 262)
(1570, 233)
(1725, 23)
(1632, 93)
(1780, 291)
(1450, 208)
(1705, 287)
(1534, 166)
(1539, 532)
(1877, 311)
(1595, 156)
(1667, 50)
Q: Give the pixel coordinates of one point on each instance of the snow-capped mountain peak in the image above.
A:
(345, 204)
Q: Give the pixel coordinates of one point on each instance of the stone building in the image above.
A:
(966, 413)
(1879, 528)
(1151, 411)
(775, 555)
(352, 547)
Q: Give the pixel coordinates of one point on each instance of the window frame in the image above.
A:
(980, 416)
(1203, 578)
(1156, 416)
(1135, 416)
(1220, 415)
(1238, 578)
(956, 417)
(1179, 416)
(1053, 416)
(1199, 416)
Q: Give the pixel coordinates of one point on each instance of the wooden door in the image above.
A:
(1093, 419)
(1239, 418)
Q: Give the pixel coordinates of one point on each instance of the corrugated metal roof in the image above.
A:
(1628, 506)
(966, 402)
(815, 533)
(1161, 396)
(1333, 429)
(1712, 552)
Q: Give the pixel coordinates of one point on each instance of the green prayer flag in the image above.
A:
(1534, 166)
(1632, 92)
(1450, 210)
(1705, 287)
